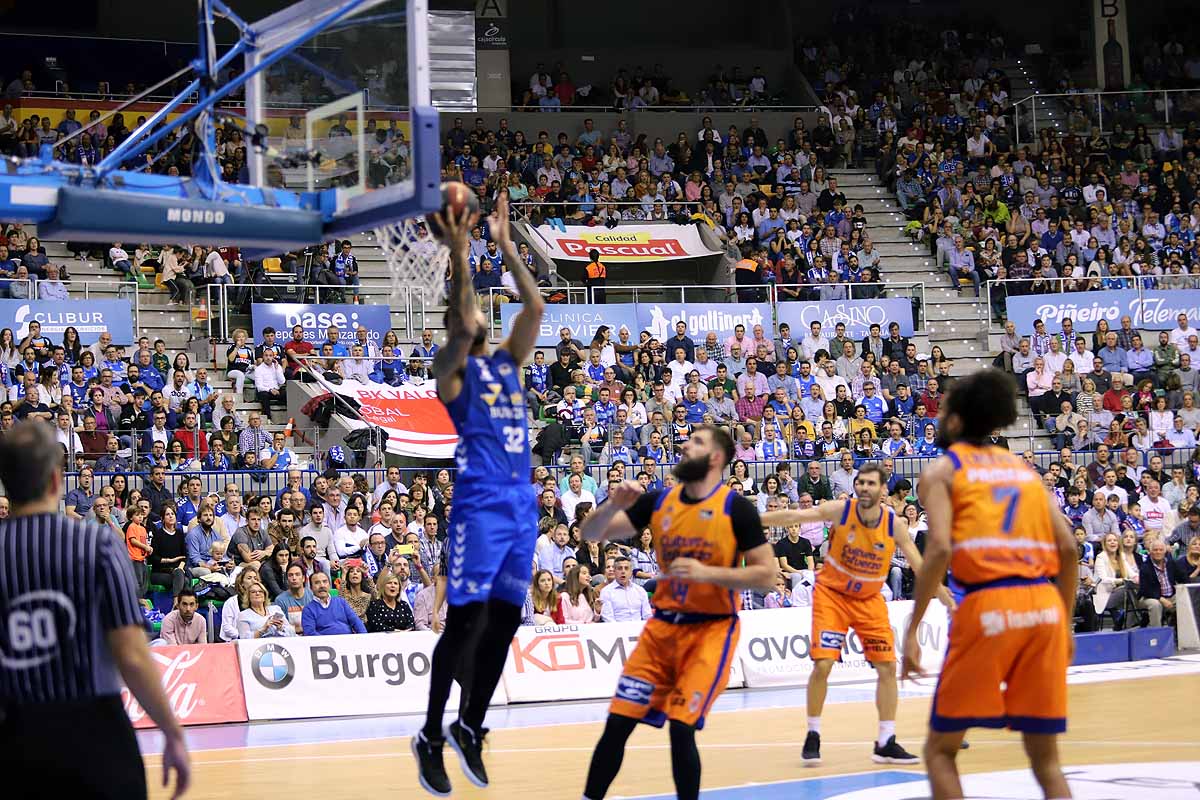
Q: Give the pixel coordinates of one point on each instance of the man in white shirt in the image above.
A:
(392, 482)
(680, 367)
(1156, 510)
(574, 495)
(623, 600)
(350, 539)
(829, 380)
(1081, 357)
(813, 342)
(269, 383)
(1056, 357)
(1180, 334)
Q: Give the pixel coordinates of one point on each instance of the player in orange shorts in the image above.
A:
(681, 663)
(863, 535)
(993, 523)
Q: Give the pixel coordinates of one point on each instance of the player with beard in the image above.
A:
(702, 530)
(493, 524)
(863, 535)
(993, 523)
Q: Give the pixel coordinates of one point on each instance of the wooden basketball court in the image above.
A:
(1130, 721)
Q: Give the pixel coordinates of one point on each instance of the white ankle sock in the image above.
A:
(814, 724)
(886, 731)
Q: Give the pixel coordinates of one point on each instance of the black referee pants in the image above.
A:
(80, 749)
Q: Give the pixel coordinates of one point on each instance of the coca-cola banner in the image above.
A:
(415, 419)
(202, 683)
(625, 243)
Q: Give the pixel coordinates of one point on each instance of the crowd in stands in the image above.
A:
(774, 197)
(1074, 210)
(636, 89)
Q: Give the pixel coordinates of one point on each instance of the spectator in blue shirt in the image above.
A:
(327, 615)
(488, 277)
(767, 227)
(1114, 358)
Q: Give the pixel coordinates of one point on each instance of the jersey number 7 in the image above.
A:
(1008, 496)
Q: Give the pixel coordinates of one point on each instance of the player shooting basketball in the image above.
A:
(493, 522)
(993, 523)
(863, 535)
(702, 530)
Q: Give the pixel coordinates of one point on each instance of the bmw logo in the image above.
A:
(273, 666)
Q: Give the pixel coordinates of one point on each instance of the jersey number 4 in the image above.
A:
(1007, 496)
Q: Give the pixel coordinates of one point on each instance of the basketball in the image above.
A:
(455, 197)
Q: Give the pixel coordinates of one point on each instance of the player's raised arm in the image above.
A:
(523, 336)
(934, 491)
(609, 520)
(463, 325)
(826, 512)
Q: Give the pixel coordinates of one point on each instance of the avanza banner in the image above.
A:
(775, 646)
(624, 244)
(1154, 309)
(657, 318)
(338, 676)
(201, 682)
(415, 419)
(573, 661)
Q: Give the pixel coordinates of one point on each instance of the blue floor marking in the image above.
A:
(807, 789)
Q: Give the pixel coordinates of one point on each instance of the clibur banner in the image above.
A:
(558, 662)
(858, 316)
(625, 243)
(1152, 309)
(316, 319)
(90, 317)
(658, 318)
(201, 682)
(337, 676)
(415, 419)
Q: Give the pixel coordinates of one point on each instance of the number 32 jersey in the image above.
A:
(489, 415)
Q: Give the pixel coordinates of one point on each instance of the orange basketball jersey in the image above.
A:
(703, 531)
(1002, 526)
(859, 555)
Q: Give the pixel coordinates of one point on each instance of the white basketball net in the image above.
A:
(417, 261)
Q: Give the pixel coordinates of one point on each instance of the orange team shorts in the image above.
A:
(833, 614)
(1007, 663)
(677, 671)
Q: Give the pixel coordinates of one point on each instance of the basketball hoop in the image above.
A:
(416, 260)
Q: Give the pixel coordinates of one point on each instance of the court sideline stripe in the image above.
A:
(402, 753)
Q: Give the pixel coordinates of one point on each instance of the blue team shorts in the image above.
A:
(493, 532)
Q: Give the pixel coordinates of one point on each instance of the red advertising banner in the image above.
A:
(414, 418)
(626, 244)
(203, 684)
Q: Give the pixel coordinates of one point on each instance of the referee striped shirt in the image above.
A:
(64, 584)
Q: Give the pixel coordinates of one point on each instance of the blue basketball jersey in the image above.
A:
(489, 415)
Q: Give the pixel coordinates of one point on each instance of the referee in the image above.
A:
(70, 632)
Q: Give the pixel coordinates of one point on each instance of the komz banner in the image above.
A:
(316, 319)
(415, 419)
(1153, 309)
(775, 646)
(90, 317)
(337, 676)
(558, 662)
(624, 244)
(202, 684)
(858, 316)
(657, 318)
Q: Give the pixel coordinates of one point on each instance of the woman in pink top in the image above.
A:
(577, 602)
